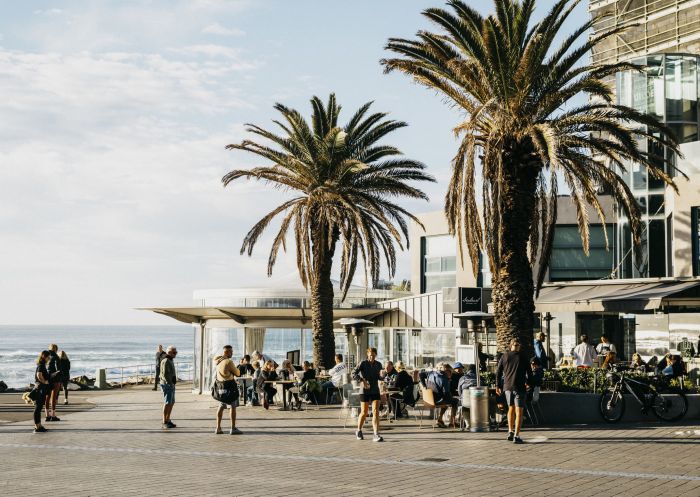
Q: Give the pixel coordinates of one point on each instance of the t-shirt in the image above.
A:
(370, 372)
(41, 368)
(512, 372)
(604, 348)
(226, 370)
(336, 373)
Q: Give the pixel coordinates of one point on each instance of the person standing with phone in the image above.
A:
(368, 373)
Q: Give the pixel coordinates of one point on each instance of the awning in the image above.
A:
(615, 295)
(259, 316)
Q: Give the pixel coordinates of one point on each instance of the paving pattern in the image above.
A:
(118, 448)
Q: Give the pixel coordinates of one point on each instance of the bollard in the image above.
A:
(101, 379)
(479, 410)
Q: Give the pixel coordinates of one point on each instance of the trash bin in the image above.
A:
(100, 379)
(479, 410)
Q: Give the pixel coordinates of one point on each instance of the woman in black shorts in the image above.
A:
(367, 373)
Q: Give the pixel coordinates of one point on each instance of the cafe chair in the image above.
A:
(353, 403)
(429, 403)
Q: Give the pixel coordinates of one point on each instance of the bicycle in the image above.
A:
(667, 403)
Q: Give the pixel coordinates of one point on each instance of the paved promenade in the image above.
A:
(118, 448)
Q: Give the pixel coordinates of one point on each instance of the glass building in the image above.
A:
(667, 88)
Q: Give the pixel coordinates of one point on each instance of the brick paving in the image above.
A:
(118, 448)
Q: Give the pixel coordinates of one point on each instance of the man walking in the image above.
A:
(160, 355)
(541, 350)
(512, 376)
(226, 370)
(168, 379)
(367, 372)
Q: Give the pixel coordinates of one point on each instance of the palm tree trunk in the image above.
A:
(322, 299)
(513, 289)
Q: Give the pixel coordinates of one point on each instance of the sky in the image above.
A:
(114, 120)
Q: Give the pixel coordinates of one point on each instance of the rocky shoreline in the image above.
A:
(81, 383)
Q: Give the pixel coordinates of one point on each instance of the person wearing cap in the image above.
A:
(540, 350)
(457, 373)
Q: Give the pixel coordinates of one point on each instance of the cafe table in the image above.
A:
(284, 396)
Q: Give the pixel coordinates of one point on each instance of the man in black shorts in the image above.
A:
(512, 375)
(367, 373)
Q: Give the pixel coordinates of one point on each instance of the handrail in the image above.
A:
(184, 371)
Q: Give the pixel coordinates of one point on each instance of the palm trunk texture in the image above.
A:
(322, 302)
(513, 288)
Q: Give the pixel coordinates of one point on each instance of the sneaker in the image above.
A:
(377, 438)
(171, 424)
(218, 431)
(441, 424)
(359, 435)
(510, 436)
(54, 418)
(518, 440)
(65, 402)
(48, 418)
(165, 426)
(235, 431)
(41, 429)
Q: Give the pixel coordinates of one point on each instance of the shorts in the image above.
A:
(168, 393)
(224, 405)
(369, 397)
(515, 398)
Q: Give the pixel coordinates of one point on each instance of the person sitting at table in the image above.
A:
(287, 372)
(439, 382)
(610, 359)
(467, 381)
(336, 373)
(245, 367)
(388, 374)
(267, 390)
(638, 363)
(404, 395)
(457, 373)
(308, 385)
(252, 391)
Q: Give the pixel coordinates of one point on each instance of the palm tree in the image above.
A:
(343, 184)
(515, 88)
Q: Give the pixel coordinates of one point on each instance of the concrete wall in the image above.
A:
(562, 408)
(688, 196)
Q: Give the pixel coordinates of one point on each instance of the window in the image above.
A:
(695, 234)
(569, 262)
(681, 89)
(439, 265)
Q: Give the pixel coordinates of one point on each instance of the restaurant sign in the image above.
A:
(461, 299)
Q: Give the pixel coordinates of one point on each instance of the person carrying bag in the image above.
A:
(225, 389)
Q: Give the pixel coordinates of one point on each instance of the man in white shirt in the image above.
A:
(584, 353)
(336, 373)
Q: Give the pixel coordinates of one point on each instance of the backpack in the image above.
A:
(225, 391)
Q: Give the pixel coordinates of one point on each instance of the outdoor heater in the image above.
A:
(474, 320)
(354, 327)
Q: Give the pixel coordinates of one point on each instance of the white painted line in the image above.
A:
(385, 462)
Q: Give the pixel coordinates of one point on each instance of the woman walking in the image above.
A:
(54, 385)
(64, 368)
(41, 376)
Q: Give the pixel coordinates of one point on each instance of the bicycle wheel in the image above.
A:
(612, 406)
(670, 405)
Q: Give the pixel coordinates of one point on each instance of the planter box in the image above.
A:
(564, 408)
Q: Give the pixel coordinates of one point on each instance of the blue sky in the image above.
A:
(115, 118)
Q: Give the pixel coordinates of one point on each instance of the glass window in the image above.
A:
(440, 245)
(685, 133)
(439, 262)
(681, 89)
(438, 345)
(624, 88)
(655, 86)
(656, 205)
(639, 177)
(436, 282)
(569, 262)
(657, 248)
(656, 157)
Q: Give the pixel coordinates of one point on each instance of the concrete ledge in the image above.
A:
(564, 408)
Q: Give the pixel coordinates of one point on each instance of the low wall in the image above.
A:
(562, 408)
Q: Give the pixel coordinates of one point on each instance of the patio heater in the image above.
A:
(354, 327)
(475, 320)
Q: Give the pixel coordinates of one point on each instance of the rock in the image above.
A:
(73, 386)
(3, 386)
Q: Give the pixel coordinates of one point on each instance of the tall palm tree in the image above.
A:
(343, 187)
(515, 87)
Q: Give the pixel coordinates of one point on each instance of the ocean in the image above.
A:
(88, 348)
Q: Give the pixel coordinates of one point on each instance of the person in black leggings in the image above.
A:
(42, 378)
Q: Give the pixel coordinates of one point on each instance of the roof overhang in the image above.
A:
(270, 317)
(617, 295)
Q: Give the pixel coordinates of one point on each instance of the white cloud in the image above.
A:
(218, 29)
(48, 12)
